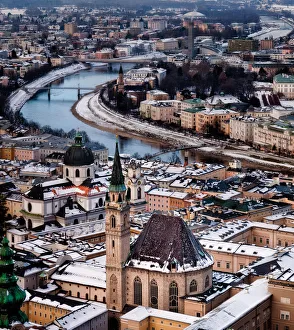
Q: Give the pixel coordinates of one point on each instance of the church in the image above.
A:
(74, 199)
(161, 268)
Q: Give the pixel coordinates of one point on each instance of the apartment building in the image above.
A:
(284, 84)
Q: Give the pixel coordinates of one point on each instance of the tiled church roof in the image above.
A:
(166, 243)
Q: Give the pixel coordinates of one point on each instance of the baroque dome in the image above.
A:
(77, 154)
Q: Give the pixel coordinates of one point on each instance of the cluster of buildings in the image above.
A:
(216, 241)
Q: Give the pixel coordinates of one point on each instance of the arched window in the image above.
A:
(87, 296)
(113, 289)
(88, 172)
(78, 295)
(30, 225)
(76, 222)
(77, 173)
(207, 281)
(173, 297)
(125, 220)
(193, 286)
(100, 217)
(137, 291)
(66, 172)
(139, 195)
(100, 202)
(95, 297)
(29, 207)
(112, 220)
(69, 292)
(153, 294)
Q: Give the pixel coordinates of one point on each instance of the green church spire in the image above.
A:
(11, 295)
(117, 181)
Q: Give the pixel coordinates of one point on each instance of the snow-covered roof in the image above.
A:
(82, 273)
(233, 309)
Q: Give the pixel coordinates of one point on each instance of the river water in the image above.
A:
(56, 112)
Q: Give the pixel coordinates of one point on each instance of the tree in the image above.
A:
(136, 155)
(3, 214)
(174, 158)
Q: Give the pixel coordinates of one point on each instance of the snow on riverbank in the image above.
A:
(92, 109)
(18, 98)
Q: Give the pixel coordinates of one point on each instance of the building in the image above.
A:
(157, 24)
(241, 128)
(191, 37)
(188, 118)
(274, 136)
(166, 111)
(76, 198)
(167, 44)
(165, 263)
(135, 183)
(242, 45)
(208, 121)
(284, 84)
(70, 28)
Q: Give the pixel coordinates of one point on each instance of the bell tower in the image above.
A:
(117, 230)
(135, 188)
(120, 81)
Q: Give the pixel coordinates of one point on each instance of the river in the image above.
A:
(56, 112)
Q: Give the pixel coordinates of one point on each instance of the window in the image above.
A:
(66, 172)
(267, 241)
(207, 281)
(100, 202)
(137, 291)
(113, 285)
(88, 172)
(78, 295)
(139, 193)
(285, 300)
(112, 221)
(153, 294)
(29, 207)
(173, 297)
(284, 315)
(113, 243)
(228, 265)
(193, 286)
(218, 264)
(77, 173)
(198, 314)
(260, 240)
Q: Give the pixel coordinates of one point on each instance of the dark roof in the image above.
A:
(117, 181)
(167, 240)
(78, 155)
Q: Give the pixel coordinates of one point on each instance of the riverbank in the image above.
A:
(92, 111)
(19, 97)
(105, 126)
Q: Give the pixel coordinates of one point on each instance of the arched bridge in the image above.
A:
(165, 151)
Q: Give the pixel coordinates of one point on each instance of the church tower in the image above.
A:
(135, 188)
(120, 81)
(117, 230)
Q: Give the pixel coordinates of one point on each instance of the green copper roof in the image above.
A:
(11, 295)
(284, 78)
(117, 181)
